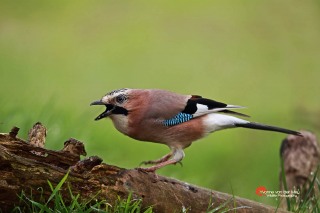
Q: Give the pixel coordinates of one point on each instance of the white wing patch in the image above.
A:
(203, 109)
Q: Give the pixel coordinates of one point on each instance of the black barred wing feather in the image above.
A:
(178, 119)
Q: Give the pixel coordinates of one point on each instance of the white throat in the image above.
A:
(120, 122)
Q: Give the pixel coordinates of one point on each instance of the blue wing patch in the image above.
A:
(178, 119)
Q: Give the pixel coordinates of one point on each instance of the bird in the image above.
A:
(176, 120)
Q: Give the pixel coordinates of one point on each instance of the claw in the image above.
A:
(181, 164)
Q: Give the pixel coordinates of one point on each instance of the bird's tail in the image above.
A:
(253, 125)
(216, 121)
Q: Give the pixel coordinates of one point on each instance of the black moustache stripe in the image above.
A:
(120, 110)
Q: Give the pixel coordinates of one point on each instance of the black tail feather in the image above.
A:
(253, 125)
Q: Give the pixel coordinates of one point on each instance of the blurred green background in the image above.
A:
(56, 57)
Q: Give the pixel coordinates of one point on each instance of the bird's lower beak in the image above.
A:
(107, 112)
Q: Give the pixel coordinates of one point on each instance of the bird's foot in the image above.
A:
(176, 155)
(147, 170)
(158, 161)
(153, 169)
(159, 165)
(147, 162)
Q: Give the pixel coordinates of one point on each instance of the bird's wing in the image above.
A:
(197, 106)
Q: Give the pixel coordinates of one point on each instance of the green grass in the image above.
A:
(308, 199)
(57, 203)
(56, 58)
(223, 207)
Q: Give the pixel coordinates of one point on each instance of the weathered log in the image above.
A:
(26, 167)
(301, 158)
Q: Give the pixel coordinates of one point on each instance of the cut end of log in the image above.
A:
(301, 158)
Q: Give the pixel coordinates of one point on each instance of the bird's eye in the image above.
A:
(120, 99)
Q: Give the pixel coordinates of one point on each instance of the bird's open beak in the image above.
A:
(107, 112)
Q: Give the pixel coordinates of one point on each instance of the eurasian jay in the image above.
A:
(176, 120)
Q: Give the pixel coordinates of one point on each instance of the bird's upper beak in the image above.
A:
(107, 112)
(97, 103)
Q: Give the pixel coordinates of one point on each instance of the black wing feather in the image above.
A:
(191, 106)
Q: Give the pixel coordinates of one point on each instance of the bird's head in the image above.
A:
(115, 102)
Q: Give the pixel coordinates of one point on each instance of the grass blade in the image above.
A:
(58, 187)
(220, 208)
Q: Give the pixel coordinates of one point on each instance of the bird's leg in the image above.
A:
(177, 156)
(163, 159)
